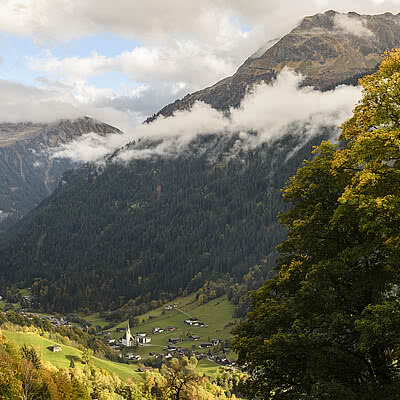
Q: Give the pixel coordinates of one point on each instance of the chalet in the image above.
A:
(171, 328)
(56, 348)
(193, 322)
(194, 337)
(142, 338)
(157, 330)
(175, 340)
(205, 345)
(134, 357)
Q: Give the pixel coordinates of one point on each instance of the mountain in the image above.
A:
(140, 234)
(327, 49)
(28, 173)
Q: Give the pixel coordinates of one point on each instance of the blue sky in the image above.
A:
(15, 50)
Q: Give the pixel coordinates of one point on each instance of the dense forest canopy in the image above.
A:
(156, 228)
(327, 326)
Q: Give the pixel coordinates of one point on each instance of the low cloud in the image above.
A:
(352, 24)
(23, 103)
(269, 110)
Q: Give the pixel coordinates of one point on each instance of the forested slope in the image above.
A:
(154, 229)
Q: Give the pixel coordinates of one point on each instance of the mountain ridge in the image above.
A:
(318, 48)
(28, 173)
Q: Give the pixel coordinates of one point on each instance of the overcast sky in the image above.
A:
(122, 60)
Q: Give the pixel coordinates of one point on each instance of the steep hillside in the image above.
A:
(152, 230)
(28, 174)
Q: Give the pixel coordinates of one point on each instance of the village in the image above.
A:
(213, 350)
(190, 337)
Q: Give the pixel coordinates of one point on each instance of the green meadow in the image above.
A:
(63, 358)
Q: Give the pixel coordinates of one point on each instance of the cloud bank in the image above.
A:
(22, 103)
(205, 20)
(269, 110)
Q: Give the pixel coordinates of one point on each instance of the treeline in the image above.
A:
(155, 229)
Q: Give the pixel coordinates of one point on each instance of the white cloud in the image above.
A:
(183, 62)
(147, 20)
(354, 25)
(21, 103)
(269, 110)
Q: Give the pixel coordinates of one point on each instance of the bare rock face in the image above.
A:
(28, 173)
(327, 49)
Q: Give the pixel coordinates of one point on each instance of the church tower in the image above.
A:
(127, 339)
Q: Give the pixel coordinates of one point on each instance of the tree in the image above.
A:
(181, 377)
(327, 326)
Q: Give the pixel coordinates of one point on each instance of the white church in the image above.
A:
(129, 341)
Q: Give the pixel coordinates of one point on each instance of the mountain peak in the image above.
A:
(328, 49)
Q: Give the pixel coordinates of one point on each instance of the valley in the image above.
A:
(245, 246)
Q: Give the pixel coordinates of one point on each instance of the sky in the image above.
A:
(122, 61)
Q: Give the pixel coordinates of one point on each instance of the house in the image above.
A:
(128, 340)
(142, 338)
(134, 357)
(194, 337)
(171, 328)
(170, 306)
(206, 345)
(56, 348)
(175, 340)
(192, 322)
(157, 330)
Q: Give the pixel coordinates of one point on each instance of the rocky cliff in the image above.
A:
(28, 173)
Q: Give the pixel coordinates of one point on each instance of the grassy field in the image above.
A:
(62, 359)
(94, 319)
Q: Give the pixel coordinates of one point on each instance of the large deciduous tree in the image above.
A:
(327, 326)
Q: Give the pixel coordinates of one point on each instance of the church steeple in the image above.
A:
(127, 339)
